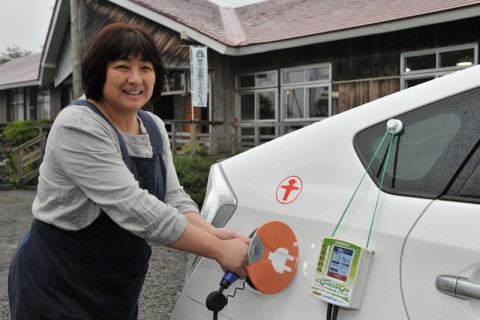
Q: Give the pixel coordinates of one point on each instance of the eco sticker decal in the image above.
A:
(289, 189)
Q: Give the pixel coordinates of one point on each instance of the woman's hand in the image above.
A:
(221, 233)
(233, 256)
(227, 234)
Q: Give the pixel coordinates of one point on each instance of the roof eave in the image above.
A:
(176, 26)
(53, 42)
(22, 84)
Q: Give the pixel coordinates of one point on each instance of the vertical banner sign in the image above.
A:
(199, 71)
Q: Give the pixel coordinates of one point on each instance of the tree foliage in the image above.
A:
(12, 53)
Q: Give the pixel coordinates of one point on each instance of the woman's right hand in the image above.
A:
(233, 256)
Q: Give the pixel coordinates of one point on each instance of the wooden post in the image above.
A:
(234, 139)
(174, 138)
(77, 49)
(193, 138)
(257, 135)
(20, 165)
(214, 140)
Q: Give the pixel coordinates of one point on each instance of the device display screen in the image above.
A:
(340, 263)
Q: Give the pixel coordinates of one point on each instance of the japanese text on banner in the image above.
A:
(199, 71)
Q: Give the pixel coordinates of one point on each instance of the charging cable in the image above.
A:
(216, 300)
(332, 311)
(394, 126)
(271, 238)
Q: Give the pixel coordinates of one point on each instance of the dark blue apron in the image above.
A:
(94, 273)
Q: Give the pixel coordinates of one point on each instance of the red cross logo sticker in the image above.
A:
(289, 189)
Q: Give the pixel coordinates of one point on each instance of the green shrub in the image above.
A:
(193, 175)
(199, 149)
(18, 132)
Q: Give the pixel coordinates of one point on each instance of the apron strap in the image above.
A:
(153, 132)
(86, 103)
(149, 123)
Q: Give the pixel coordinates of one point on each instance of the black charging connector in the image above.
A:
(216, 300)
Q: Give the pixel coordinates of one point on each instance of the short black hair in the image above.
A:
(119, 41)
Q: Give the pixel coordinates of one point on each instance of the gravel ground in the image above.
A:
(164, 280)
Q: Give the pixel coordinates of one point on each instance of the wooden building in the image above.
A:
(276, 65)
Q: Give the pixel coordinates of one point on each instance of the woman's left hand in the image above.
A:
(227, 234)
(220, 233)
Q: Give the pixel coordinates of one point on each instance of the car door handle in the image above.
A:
(458, 287)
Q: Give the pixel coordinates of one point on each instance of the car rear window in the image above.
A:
(436, 142)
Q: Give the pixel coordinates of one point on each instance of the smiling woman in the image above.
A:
(130, 81)
(108, 190)
(128, 86)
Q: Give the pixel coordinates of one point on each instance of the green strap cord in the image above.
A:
(392, 129)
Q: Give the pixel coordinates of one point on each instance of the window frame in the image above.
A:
(184, 79)
(450, 160)
(256, 94)
(464, 176)
(256, 90)
(16, 107)
(437, 71)
(305, 85)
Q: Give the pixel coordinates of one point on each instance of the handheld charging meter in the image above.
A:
(342, 267)
(341, 273)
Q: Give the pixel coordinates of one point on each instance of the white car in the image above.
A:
(420, 233)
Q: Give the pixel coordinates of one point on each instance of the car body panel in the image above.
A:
(323, 158)
(443, 242)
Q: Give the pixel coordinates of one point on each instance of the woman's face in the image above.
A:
(128, 84)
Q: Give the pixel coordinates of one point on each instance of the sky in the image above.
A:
(24, 23)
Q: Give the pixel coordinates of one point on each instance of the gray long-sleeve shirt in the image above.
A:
(83, 173)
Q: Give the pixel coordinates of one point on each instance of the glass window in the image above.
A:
(266, 103)
(306, 74)
(318, 73)
(317, 102)
(420, 66)
(31, 103)
(267, 79)
(457, 58)
(259, 101)
(258, 80)
(16, 105)
(306, 92)
(467, 185)
(258, 105)
(43, 103)
(435, 142)
(421, 62)
(174, 82)
(293, 102)
(294, 76)
(247, 106)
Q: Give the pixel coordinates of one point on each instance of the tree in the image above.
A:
(12, 53)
